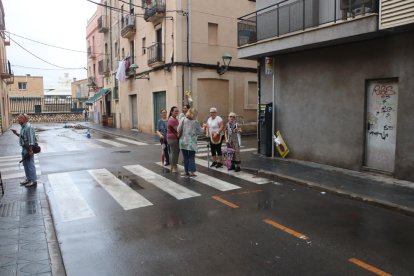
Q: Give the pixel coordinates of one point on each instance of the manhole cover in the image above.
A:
(121, 151)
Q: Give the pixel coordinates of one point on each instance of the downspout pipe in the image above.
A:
(189, 30)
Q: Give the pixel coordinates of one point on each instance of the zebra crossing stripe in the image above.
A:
(71, 204)
(8, 158)
(15, 162)
(122, 193)
(242, 175)
(168, 186)
(70, 146)
(211, 181)
(14, 168)
(131, 141)
(112, 143)
(17, 175)
(204, 154)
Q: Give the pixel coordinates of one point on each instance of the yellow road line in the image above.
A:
(369, 267)
(225, 202)
(286, 229)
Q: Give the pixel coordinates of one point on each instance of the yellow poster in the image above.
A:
(280, 144)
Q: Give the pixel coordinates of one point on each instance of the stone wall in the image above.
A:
(52, 117)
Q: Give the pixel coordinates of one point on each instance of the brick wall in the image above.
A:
(52, 117)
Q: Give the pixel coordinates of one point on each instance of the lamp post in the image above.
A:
(226, 63)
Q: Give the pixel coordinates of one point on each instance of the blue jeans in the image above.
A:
(189, 160)
(29, 166)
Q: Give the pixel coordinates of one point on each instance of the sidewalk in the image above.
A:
(28, 245)
(372, 188)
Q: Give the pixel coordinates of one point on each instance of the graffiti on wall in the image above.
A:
(381, 120)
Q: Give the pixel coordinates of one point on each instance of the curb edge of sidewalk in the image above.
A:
(403, 209)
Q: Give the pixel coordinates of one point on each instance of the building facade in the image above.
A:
(6, 74)
(338, 75)
(156, 52)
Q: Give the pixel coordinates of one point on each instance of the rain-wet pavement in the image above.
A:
(278, 228)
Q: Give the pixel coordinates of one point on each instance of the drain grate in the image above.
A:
(9, 209)
(121, 151)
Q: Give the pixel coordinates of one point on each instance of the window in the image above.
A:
(212, 33)
(116, 50)
(144, 49)
(22, 85)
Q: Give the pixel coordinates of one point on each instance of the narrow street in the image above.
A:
(117, 211)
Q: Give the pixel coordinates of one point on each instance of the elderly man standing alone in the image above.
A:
(27, 140)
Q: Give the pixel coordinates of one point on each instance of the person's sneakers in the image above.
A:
(192, 174)
(24, 182)
(232, 167)
(31, 183)
(237, 169)
(167, 164)
(219, 165)
(213, 164)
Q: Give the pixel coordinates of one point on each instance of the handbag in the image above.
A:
(36, 148)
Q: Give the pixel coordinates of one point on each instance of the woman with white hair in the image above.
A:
(231, 133)
(189, 129)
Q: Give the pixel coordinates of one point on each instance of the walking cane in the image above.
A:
(208, 155)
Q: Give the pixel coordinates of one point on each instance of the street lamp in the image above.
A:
(226, 62)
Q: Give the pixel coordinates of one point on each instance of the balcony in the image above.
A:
(128, 26)
(287, 20)
(154, 9)
(91, 53)
(104, 67)
(156, 55)
(103, 24)
(6, 73)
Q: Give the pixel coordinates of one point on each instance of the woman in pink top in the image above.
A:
(172, 137)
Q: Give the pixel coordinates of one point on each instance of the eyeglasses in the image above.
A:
(232, 116)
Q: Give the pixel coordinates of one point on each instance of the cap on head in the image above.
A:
(232, 114)
(213, 109)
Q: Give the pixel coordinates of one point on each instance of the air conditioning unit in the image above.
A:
(130, 19)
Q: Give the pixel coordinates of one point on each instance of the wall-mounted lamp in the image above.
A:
(226, 63)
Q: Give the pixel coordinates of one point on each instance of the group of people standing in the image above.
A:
(179, 131)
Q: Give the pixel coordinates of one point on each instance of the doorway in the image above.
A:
(134, 111)
(381, 124)
(159, 102)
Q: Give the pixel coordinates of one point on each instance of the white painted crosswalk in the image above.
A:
(168, 186)
(11, 168)
(242, 175)
(73, 205)
(122, 193)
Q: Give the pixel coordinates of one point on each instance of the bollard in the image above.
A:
(88, 134)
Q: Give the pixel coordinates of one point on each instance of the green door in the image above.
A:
(159, 102)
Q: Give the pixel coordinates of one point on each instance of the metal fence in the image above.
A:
(290, 16)
(46, 104)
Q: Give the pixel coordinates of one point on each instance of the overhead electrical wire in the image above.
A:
(61, 67)
(58, 47)
(49, 69)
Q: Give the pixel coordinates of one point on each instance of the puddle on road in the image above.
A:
(129, 181)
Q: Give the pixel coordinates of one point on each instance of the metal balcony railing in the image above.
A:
(103, 67)
(128, 25)
(154, 9)
(6, 73)
(156, 53)
(103, 26)
(291, 16)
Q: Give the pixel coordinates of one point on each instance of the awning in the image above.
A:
(96, 97)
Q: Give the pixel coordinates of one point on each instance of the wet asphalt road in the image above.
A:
(277, 229)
